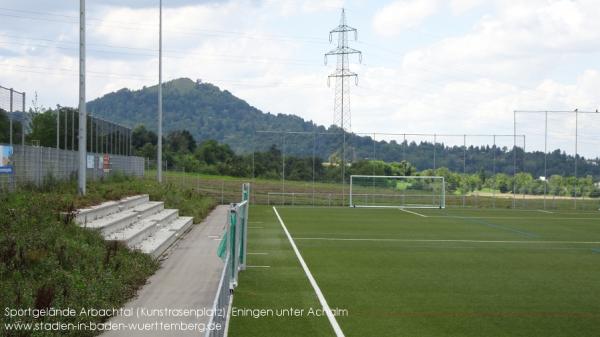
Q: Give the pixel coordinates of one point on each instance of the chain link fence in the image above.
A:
(12, 104)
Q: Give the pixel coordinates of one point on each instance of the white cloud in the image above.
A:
(400, 15)
(292, 7)
(536, 54)
(461, 6)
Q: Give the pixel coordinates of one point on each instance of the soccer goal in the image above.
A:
(397, 191)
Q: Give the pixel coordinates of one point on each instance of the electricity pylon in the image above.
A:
(342, 75)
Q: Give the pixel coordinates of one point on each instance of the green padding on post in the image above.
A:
(222, 249)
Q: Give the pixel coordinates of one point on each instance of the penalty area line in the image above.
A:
(334, 323)
(415, 213)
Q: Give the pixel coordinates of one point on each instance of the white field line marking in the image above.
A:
(257, 253)
(466, 241)
(411, 212)
(258, 266)
(213, 236)
(313, 282)
(226, 330)
(505, 217)
(544, 211)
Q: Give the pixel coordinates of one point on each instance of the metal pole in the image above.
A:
(117, 138)
(514, 159)
(90, 141)
(283, 164)
(57, 130)
(23, 122)
(434, 144)
(464, 166)
(372, 172)
(73, 127)
(82, 112)
(313, 168)
(545, 157)
(10, 118)
(405, 144)
(494, 174)
(66, 128)
(253, 155)
(160, 117)
(576, 152)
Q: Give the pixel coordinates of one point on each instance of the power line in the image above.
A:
(144, 27)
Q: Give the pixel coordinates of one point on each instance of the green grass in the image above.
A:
(530, 273)
(49, 261)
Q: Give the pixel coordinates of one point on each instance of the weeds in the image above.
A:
(48, 260)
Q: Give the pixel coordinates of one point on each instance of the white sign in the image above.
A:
(90, 161)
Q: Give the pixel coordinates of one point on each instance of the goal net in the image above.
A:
(397, 191)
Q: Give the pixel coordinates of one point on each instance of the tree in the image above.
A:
(142, 136)
(5, 129)
(43, 128)
(181, 141)
(211, 152)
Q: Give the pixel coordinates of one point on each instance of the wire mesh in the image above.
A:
(561, 167)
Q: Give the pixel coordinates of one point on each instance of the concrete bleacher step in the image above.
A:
(165, 236)
(137, 222)
(93, 213)
(158, 242)
(137, 232)
(120, 220)
(181, 224)
(133, 201)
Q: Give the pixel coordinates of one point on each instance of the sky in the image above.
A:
(428, 66)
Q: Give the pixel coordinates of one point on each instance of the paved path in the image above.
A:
(188, 279)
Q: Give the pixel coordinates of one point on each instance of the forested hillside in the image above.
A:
(208, 112)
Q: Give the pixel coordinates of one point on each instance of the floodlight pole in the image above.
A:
(160, 112)
(82, 113)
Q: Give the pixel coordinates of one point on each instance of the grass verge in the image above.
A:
(50, 262)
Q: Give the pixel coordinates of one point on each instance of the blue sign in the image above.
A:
(6, 165)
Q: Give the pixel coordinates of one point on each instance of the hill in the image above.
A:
(201, 108)
(208, 112)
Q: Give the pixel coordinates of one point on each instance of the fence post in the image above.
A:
(222, 191)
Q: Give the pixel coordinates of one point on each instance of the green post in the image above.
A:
(232, 244)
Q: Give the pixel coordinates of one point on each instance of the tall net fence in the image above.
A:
(560, 168)
(531, 169)
(310, 167)
(38, 147)
(12, 112)
(477, 167)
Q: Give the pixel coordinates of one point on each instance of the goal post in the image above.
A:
(397, 191)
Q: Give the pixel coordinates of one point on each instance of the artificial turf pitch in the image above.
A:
(455, 272)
